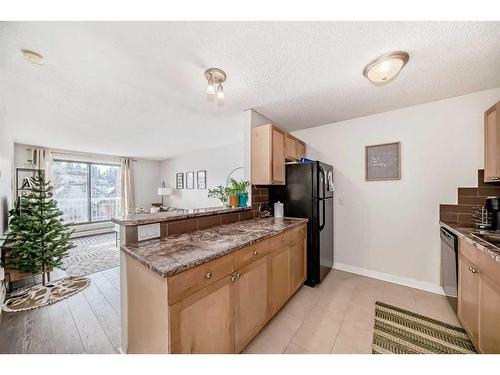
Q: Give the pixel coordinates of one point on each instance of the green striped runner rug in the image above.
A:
(399, 331)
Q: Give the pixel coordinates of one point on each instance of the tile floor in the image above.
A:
(337, 316)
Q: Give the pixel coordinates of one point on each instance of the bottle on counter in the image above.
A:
(278, 209)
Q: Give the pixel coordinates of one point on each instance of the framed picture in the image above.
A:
(383, 162)
(23, 184)
(189, 180)
(179, 181)
(201, 179)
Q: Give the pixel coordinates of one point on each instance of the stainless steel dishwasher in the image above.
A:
(449, 262)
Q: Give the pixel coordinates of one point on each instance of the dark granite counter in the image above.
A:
(171, 255)
(160, 217)
(466, 232)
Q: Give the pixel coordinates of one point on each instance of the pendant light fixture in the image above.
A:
(384, 68)
(215, 77)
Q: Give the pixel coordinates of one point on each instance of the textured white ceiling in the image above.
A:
(137, 88)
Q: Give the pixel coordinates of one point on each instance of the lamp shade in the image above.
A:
(165, 191)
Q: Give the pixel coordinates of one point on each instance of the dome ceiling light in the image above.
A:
(215, 77)
(384, 68)
(32, 56)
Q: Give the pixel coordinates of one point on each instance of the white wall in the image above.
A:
(218, 162)
(6, 167)
(146, 182)
(392, 227)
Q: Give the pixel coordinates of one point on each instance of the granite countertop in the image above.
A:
(466, 232)
(159, 217)
(171, 255)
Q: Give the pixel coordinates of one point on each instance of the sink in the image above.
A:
(491, 238)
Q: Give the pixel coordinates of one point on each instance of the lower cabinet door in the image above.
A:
(468, 297)
(204, 321)
(297, 264)
(279, 286)
(251, 308)
(489, 316)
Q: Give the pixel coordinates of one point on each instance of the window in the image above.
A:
(86, 192)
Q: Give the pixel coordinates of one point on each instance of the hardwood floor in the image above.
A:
(88, 322)
(335, 317)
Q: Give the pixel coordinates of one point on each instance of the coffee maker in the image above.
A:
(492, 205)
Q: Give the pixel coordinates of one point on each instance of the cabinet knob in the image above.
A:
(255, 252)
(233, 278)
(282, 238)
(301, 230)
(238, 275)
(273, 181)
(208, 275)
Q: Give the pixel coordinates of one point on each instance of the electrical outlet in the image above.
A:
(341, 201)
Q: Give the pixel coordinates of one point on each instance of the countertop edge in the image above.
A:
(150, 220)
(479, 244)
(201, 261)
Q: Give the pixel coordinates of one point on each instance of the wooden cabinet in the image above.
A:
(204, 321)
(216, 307)
(295, 149)
(469, 297)
(251, 308)
(489, 313)
(277, 157)
(492, 144)
(479, 297)
(271, 147)
(279, 290)
(298, 264)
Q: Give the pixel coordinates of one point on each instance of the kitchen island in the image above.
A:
(211, 290)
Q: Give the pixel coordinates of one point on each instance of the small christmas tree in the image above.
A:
(40, 240)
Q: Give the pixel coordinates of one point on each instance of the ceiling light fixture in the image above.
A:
(33, 57)
(386, 67)
(220, 92)
(215, 77)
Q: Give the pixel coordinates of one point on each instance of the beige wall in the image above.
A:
(217, 161)
(391, 228)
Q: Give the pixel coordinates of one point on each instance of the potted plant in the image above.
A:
(220, 193)
(238, 190)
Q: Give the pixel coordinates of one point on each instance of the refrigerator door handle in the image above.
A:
(323, 181)
(322, 225)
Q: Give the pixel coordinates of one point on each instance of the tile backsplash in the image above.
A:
(468, 198)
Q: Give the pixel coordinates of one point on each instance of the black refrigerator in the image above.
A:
(308, 193)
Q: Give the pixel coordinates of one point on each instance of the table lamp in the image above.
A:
(164, 191)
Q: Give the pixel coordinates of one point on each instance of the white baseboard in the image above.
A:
(412, 283)
(92, 232)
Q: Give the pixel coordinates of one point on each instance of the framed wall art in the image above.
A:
(23, 185)
(189, 180)
(383, 162)
(201, 179)
(179, 181)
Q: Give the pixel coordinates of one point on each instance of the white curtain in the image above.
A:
(42, 159)
(127, 188)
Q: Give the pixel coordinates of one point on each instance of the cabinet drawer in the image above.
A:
(280, 240)
(468, 250)
(190, 281)
(250, 253)
(488, 266)
(299, 232)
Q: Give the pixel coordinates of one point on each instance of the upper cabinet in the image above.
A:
(271, 147)
(295, 149)
(492, 144)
